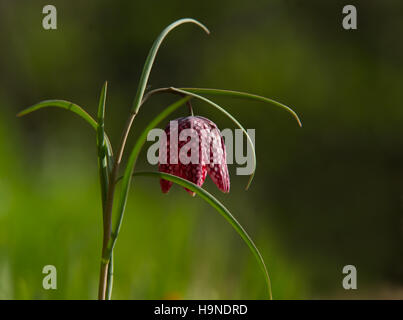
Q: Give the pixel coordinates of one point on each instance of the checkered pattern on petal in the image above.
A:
(210, 150)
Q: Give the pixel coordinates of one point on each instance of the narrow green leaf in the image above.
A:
(63, 104)
(221, 209)
(243, 95)
(103, 161)
(233, 120)
(151, 57)
(127, 176)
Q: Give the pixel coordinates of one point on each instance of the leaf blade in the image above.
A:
(67, 105)
(222, 210)
(63, 104)
(244, 95)
(103, 160)
(151, 58)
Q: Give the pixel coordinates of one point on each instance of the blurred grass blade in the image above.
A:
(151, 57)
(243, 95)
(63, 104)
(233, 120)
(221, 209)
(127, 177)
(103, 160)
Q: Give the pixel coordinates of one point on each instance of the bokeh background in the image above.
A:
(325, 195)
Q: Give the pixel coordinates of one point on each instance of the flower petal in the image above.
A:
(210, 149)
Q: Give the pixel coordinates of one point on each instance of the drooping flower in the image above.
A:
(194, 148)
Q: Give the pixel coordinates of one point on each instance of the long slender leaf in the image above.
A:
(127, 177)
(221, 209)
(233, 120)
(61, 104)
(104, 165)
(151, 57)
(103, 161)
(243, 95)
(67, 105)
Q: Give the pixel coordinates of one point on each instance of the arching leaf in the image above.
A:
(151, 57)
(67, 105)
(221, 209)
(243, 95)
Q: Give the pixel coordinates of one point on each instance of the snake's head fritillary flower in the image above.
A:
(194, 148)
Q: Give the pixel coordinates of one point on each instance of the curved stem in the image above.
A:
(155, 91)
(190, 108)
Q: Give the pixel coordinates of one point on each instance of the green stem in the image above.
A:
(190, 108)
(106, 254)
(109, 238)
(106, 273)
(103, 279)
(109, 282)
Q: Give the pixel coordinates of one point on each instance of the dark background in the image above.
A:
(324, 196)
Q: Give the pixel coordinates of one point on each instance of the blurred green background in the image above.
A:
(324, 196)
